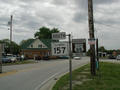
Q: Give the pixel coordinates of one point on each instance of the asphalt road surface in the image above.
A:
(33, 76)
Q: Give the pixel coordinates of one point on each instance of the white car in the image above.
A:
(77, 58)
(118, 57)
(13, 59)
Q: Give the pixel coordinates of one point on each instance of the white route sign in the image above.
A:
(58, 36)
(60, 48)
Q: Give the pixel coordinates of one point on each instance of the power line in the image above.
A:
(109, 26)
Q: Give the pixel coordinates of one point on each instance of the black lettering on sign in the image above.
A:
(59, 50)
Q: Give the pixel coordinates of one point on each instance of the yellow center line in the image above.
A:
(8, 73)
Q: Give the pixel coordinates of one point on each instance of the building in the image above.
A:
(102, 54)
(36, 48)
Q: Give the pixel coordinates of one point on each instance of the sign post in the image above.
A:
(70, 62)
(62, 49)
(1, 50)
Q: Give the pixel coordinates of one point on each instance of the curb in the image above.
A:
(48, 85)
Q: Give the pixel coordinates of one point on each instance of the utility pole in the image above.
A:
(11, 21)
(91, 35)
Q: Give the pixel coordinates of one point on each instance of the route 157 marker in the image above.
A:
(60, 48)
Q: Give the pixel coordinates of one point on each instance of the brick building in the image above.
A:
(36, 48)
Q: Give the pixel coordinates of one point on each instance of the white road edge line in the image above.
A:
(64, 71)
(44, 82)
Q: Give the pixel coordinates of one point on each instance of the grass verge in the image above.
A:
(19, 62)
(108, 78)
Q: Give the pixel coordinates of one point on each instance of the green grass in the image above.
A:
(19, 62)
(108, 78)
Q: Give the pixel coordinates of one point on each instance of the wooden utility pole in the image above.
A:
(11, 21)
(91, 35)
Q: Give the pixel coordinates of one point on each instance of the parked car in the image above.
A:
(63, 57)
(111, 57)
(37, 58)
(6, 60)
(12, 58)
(22, 57)
(18, 58)
(77, 58)
(46, 58)
(118, 57)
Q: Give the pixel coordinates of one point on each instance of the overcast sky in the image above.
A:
(70, 16)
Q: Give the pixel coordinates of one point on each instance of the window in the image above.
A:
(39, 46)
(31, 46)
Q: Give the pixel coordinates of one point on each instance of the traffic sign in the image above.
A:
(91, 41)
(60, 48)
(58, 36)
(78, 46)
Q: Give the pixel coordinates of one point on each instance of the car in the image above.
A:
(111, 57)
(12, 58)
(77, 58)
(118, 57)
(22, 57)
(18, 58)
(37, 58)
(46, 58)
(63, 57)
(6, 60)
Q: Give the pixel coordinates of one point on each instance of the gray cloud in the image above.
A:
(80, 17)
(84, 3)
(60, 2)
(67, 15)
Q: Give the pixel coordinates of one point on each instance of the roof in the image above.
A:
(27, 43)
(47, 42)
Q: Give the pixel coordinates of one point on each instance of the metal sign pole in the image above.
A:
(0, 58)
(70, 62)
(56, 50)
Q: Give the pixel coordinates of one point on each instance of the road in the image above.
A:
(33, 76)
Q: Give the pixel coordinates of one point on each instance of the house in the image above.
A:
(102, 54)
(36, 48)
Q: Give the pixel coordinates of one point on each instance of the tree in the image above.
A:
(22, 42)
(88, 52)
(102, 49)
(7, 44)
(45, 33)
